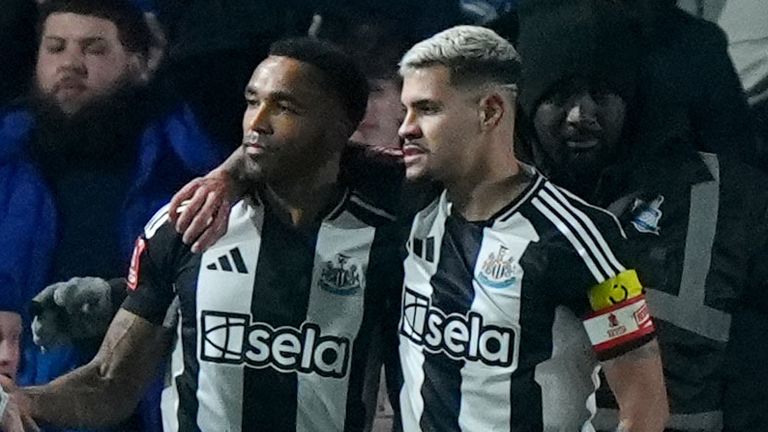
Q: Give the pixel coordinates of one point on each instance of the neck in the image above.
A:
(303, 199)
(490, 184)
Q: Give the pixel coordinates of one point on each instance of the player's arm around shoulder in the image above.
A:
(106, 390)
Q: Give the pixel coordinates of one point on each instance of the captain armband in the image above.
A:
(619, 321)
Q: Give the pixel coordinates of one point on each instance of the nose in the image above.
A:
(258, 119)
(9, 355)
(73, 60)
(409, 128)
(583, 112)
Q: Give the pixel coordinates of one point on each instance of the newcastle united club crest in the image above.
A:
(500, 270)
(340, 277)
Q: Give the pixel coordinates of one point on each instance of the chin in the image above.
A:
(415, 173)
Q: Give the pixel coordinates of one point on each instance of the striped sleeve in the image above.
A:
(598, 286)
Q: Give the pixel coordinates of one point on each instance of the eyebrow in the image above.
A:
(277, 95)
(426, 103)
(86, 40)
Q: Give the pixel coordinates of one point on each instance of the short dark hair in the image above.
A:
(132, 29)
(340, 72)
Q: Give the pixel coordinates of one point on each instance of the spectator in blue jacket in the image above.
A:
(85, 161)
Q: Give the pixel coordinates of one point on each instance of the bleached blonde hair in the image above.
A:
(474, 55)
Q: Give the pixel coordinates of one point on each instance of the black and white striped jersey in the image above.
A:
(480, 303)
(274, 322)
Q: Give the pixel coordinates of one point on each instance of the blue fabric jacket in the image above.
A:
(173, 149)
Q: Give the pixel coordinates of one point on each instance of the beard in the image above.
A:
(105, 130)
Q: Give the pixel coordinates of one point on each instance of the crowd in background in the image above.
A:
(80, 176)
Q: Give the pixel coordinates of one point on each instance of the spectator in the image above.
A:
(88, 158)
(698, 245)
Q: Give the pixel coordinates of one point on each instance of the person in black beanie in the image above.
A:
(699, 247)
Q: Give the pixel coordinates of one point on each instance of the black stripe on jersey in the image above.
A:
(574, 235)
(453, 293)
(381, 287)
(224, 263)
(582, 218)
(280, 298)
(238, 259)
(186, 383)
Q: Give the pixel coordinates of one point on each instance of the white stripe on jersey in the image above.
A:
(375, 210)
(318, 394)
(220, 386)
(154, 224)
(169, 400)
(581, 235)
(608, 253)
(573, 197)
(563, 228)
(418, 274)
(480, 383)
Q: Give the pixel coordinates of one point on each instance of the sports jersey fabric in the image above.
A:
(480, 303)
(274, 321)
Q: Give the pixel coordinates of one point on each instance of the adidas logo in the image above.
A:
(226, 261)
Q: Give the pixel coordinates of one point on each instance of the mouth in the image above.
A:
(254, 147)
(70, 85)
(412, 150)
(582, 144)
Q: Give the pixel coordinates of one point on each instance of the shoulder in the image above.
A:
(571, 214)
(582, 237)
(376, 175)
(742, 190)
(15, 126)
(369, 209)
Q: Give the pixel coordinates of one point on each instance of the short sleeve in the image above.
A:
(589, 265)
(154, 263)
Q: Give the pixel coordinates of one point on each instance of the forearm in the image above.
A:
(233, 165)
(637, 381)
(80, 399)
(106, 390)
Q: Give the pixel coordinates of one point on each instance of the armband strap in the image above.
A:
(620, 324)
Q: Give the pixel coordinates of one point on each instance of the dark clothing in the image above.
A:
(700, 243)
(687, 69)
(18, 45)
(45, 212)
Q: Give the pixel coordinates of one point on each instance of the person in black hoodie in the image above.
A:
(698, 245)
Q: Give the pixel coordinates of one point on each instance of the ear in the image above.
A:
(493, 108)
(138, 68)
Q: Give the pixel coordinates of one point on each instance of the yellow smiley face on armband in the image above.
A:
(620, 288)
